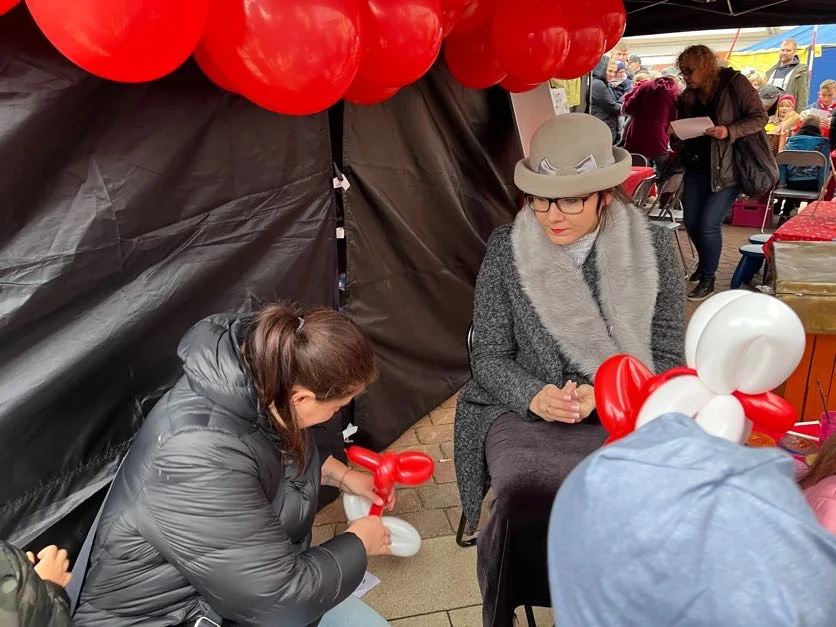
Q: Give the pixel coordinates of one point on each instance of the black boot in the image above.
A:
(696, 276)
(704, 289)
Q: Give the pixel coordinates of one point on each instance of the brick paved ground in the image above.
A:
(434, 508)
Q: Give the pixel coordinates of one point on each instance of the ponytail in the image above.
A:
(318, 349)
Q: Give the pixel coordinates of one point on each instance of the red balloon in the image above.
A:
(618, 393)
(517, 86)
(768, 411)
(530, 39)
(364, 93)
(476, 13)
(8, 5)
(401, 40)
(130, 41)
(614, 18)
(211, 70)
(409, 468)
(587, 43)
(414, 468)
(452, 12)
(471, 60)
(290, 56)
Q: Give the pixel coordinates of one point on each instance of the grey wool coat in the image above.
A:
(538, 319)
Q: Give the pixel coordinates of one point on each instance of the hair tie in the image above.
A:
(300, 325)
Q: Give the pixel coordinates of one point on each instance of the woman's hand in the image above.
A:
(53, 565)
(362, 484)
(373, 534)
(554, 404)
(586, 399)
(718, 132)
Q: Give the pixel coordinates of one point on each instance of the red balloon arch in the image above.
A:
(299, 57)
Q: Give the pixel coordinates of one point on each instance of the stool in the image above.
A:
(760, 238)
(751, 260)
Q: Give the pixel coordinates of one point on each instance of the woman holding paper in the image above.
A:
(729, 100)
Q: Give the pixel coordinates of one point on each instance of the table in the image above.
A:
(638, 173)
(816, 223)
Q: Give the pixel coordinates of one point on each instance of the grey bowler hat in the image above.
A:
(572, 155)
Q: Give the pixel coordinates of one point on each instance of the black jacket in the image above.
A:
(26, 600)
(605, 105)
(192, 520)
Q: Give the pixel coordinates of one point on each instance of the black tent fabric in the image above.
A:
(431, 175)
(128, 213)
(649, 17)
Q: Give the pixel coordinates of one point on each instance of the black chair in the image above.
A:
(640, 160)
(529, 613)
(810, 158)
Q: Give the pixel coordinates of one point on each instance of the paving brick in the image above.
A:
(451, 402)
(446, 449)
(438, 496)
(454, 515)
(445, 472)
(434, 434)
(443, 416)
(322, 533)
(430, 523)
(406, 501)
(409, 438)
(333, 513)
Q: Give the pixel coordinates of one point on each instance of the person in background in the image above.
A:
(579, 276)
(710, 180)
(673, 526)
(758, 80)
(819, 485)
(621, 52)
(825, 102)
(791, 75)
(32, 588)
(639, 78)
(605, 104)
(651, 107)
(806, 178)
(634, 65)
(621, 83)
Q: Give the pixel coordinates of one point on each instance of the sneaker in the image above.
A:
(704, 289)
(696, 276)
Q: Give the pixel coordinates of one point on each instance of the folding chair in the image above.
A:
(643, 190)
(803, 158)
(529, 613)
(667, 211)
(640, 160)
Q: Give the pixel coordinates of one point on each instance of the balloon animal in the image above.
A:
(739, 345)
(409, 468)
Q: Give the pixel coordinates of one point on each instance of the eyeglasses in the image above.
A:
(567, 206)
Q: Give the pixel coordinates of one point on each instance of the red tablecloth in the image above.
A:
(816, 223)
(637, 175)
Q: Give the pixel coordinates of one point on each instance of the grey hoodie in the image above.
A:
(674, 527)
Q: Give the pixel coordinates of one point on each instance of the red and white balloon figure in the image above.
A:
(408, 468)
(739, 345)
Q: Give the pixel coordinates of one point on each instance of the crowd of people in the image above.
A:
(638, 105)
(210, 515)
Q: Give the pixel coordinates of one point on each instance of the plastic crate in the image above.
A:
(747, 212)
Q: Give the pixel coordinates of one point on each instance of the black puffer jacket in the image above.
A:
(605, 104)
(191, 519)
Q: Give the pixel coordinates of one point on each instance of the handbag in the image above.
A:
(754, 162)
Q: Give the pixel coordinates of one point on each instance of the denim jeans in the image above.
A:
(352, 613)
(703, 216)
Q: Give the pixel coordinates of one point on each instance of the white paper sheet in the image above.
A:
(822, 115)
(688, 128)
(369, 582)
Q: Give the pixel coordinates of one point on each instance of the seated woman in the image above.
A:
(211, 512)
(785, 120)
(579, 276)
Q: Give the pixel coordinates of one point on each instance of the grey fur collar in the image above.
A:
(628, 282)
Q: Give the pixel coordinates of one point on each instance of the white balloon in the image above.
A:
(723, 417)
(406, 541)
(751, 344)
(682, 395)
(700, 319)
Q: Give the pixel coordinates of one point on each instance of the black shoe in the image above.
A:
(704, 289)
(696, 276)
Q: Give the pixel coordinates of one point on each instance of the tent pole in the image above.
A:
(812, 56)
(733, 44)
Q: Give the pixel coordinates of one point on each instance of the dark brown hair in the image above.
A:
(823, 467)
(318, 349)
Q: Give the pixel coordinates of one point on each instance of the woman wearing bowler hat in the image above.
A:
(579, 276)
